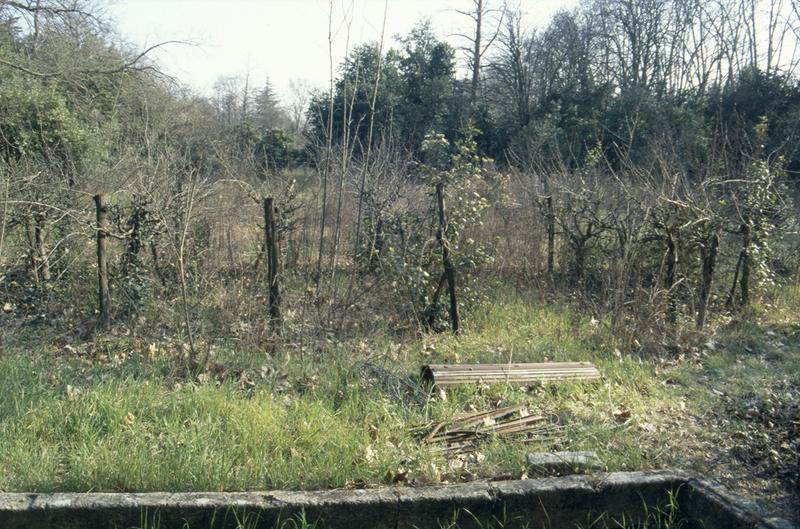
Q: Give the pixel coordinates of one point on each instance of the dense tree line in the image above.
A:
(623, 75)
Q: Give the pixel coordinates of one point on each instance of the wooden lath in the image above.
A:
(463, 433)
(444, 375)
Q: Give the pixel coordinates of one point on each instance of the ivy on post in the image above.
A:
(449, 269)
(271, 247)
(708, 254)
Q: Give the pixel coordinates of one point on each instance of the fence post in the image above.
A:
(449, 269)
(709, 255)
(271, 247)
(102, 262)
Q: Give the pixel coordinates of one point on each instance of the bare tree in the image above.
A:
(513, 65)
(479, 44)
(71, 31)
(298, 104)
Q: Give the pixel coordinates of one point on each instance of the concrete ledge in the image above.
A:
(563, 463)
(715, 506)
(547, 503)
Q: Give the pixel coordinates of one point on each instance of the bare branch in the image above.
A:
(130, 65)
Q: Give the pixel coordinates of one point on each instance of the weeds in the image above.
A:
(665, 516)
(230, 518)
(117, 415)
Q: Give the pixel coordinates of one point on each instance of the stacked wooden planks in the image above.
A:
(444, 375)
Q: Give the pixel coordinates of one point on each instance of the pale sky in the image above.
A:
(283, 39)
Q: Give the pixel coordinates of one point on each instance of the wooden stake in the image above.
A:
(104, 297)
(271, 248)
(449, 269)
(551, 233)
(41, 251)
(669, 279)
(709, 255)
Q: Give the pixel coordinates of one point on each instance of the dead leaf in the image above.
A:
(282, 381)
(456, 464)
(216, 368)
(72, 392)
(355, 484)
(370, 455)
(400, 477)
(396, 477)
(622, 414)
(373, 432)
(246, 382)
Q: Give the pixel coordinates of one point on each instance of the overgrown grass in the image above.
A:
(122, 415)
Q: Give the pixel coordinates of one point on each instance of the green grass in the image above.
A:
(122, 416)
(133, 434)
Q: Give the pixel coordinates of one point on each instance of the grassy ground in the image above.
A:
(122, 414)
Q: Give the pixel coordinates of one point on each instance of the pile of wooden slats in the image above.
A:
(445, 375)
(464, 432)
